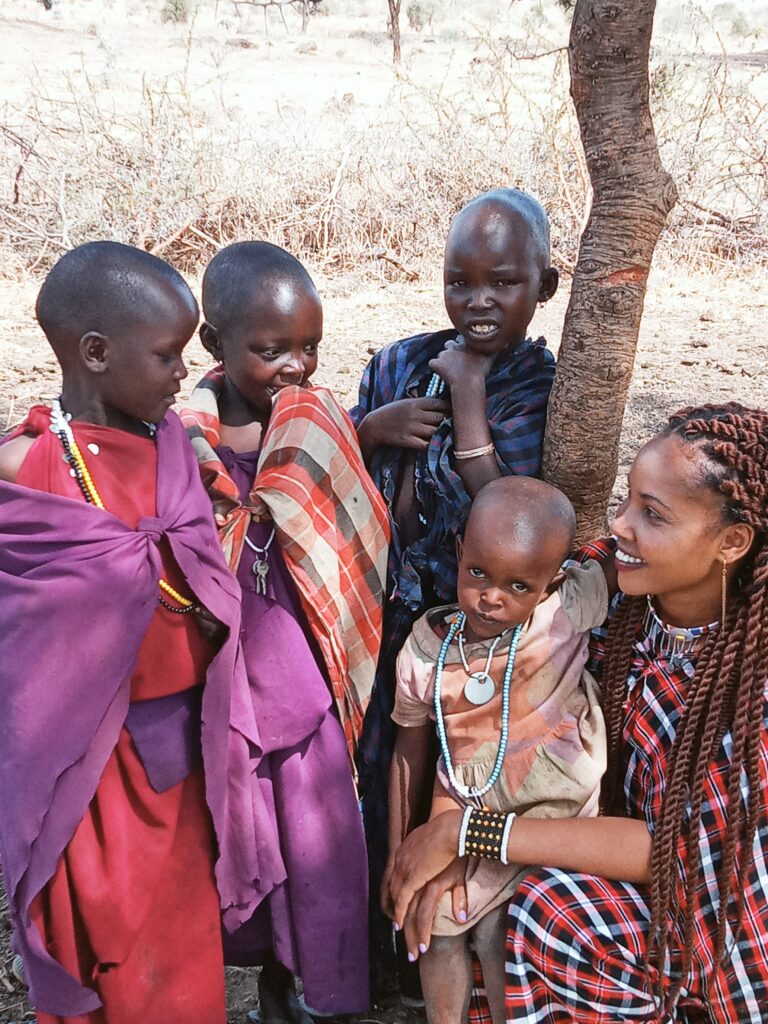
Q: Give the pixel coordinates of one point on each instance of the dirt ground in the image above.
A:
(704, 337)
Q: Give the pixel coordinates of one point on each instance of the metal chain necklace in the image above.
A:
(474, 793)
(261, 563)
(78, 468)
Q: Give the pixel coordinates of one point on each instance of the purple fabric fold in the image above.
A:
(166, 734)
(78, 588)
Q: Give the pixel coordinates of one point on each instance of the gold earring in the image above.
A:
(723, 591)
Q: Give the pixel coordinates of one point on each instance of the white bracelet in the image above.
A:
(463, 830)
(474, 453)
(505, 836)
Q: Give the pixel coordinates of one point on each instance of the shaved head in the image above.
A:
(110, 289)
(527, 512)
(246, 271)
(514, 207)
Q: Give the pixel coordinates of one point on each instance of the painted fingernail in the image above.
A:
(422, 947)
(397, 927)
(411, 957)
(462, 916)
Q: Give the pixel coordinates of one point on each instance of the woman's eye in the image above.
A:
(652, 514)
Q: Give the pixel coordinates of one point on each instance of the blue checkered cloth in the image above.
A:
(517, 392)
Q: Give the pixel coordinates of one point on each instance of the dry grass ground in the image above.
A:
(184, 137)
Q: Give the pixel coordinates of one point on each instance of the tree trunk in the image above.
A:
(633, 194)
(394, 28)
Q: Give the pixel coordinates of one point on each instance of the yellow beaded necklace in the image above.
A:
(60, 426)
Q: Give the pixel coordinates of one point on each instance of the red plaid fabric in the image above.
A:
(576, 943)
(331, 523)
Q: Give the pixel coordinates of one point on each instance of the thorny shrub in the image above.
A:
(167, 176)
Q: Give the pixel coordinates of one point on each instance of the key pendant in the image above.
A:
(260, 570)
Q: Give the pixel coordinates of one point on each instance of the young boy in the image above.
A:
(518, 717)
(430, 451)
(305, 531)
(119, 627)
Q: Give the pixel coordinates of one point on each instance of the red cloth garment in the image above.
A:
(132, 909)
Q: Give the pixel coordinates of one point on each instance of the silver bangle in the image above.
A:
(474, 453)
(505, 836)
(463, 830)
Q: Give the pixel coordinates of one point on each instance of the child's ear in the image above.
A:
(94, 351)
(209, 336)
(549, 282)
(552, 586)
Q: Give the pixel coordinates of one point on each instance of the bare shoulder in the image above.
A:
(12, 454)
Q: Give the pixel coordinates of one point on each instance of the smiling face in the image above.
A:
(503, 575)
(273, 345)
(671, 532)
(494, 274)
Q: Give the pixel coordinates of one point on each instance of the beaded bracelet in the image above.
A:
(463, 830)
(474, 453)
(485, 834)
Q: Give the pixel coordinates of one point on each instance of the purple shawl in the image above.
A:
(78, 588)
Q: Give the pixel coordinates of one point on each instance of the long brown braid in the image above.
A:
(725, 694)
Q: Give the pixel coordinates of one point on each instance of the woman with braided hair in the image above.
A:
(657, 911)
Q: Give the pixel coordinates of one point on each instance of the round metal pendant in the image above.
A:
(479, 688)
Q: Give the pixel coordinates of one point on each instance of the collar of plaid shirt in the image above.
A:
(330, 522)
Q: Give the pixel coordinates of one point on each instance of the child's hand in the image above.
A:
(457, 362)
(213, 630)
(408, 423)
(386, 902)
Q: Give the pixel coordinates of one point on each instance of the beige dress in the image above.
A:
(556, 748)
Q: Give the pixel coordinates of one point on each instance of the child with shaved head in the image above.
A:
(305, 531)
(119, 629)
(440, 415)
(502, 676)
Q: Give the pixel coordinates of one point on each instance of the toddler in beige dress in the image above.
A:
(518, 717)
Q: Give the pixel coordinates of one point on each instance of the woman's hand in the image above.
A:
(417, 929)
(422, 856)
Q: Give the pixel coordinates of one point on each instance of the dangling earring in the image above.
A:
(723, 590)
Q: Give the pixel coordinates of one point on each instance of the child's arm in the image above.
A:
(407, 775)
(465, 372)
(12, 454)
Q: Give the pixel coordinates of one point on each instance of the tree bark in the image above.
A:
(633, 194)
(394, 28)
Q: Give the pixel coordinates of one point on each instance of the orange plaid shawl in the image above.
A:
(330, 520)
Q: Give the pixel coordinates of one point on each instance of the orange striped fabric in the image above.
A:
(330, 520)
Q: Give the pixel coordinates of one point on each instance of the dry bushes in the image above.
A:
(169, 174)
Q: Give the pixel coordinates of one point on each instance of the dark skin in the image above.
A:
(675, 527)
(494, 275)
(271, 344)
(125, 379)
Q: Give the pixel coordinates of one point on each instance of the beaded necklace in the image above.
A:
(74, 456)
(473, 792)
